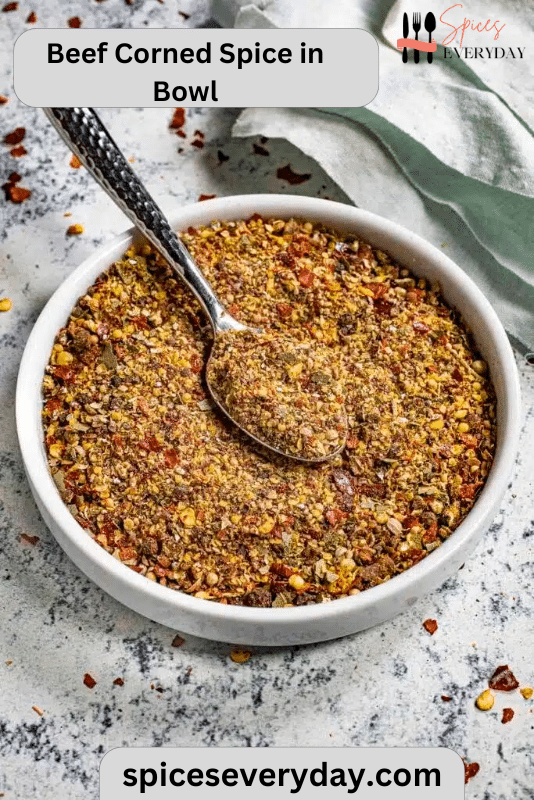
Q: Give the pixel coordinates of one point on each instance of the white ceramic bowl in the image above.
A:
(259, 626)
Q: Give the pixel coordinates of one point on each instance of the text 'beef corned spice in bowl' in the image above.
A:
(168, 486)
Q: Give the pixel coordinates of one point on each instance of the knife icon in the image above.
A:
(405, 32)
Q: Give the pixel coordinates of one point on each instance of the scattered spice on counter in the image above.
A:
(75, 162)
(485, 700)
(446, 698)
(199, 134)
(3, 99)
(507, 715)
(31, 19)
(184, 15)
(178, 641)
(10, 7)
(470, 770)
(118, 682)
(527, 692)
(75, 230)
(287, 174)
(89, 681)
(38, 711)
(19, 151)
(74, 22)
(6, 304)
(286, 393)
(202, 197)
(8, 663)
(431, 626)
(197, 143)
(165, 483)
(33, 540)
(240, 656)
(503, 680)
(222, 157)
(15, 137)
(14, 193)
(178, 119)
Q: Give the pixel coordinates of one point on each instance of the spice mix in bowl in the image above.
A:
(163, 482)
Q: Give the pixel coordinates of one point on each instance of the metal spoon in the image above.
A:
(87, 137)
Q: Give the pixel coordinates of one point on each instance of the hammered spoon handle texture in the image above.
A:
(85, 134)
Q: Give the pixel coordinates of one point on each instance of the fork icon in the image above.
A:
(416, 24)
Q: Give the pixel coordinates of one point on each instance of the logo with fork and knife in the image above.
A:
(416, 44)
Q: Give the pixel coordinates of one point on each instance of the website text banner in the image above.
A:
(238, 773)
(204, 67)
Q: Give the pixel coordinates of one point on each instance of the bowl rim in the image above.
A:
(233, 208)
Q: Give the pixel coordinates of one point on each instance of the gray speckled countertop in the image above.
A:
(381, 687)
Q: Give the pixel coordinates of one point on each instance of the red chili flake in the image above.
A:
(19, 151)
(382, 307)
(118, 682)
(54, 404)
(3, 99)
(334, 516)
(171, 458)
(199, 134)
(75, 162)
(65, 374)
(457, 375)
(74, 22)
(284, 310)
(507, 715)
(198, 143)
(14, 177)
(414, 295)
(141, 323)
(202, 197)
(420, 327)
(220, 155)
(127, 553)
(17, 194)
(178, 119)
(117, 441)
(503, 679)
(306, 278)
(151, 444)
(259, 150)
(352, 443)
(446, 698)
(31, 18)
(378, 289)
(10, 7)
(182, 135)
(15, 137)
(468, 490)
(89, 681)
(283, 570)
(177, 641)
(196, 364)
(184, 15)
(287, 174)
(29, 539)
(470, 770)
(431, 626)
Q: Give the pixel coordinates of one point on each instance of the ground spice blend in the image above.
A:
(164, 483)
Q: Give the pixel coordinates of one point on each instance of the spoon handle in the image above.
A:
(87, 137)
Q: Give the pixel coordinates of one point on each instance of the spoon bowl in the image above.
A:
(83, 131)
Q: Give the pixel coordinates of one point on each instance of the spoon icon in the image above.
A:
(430, 26)
(85, 134)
